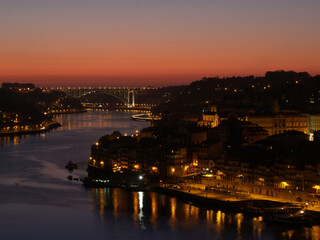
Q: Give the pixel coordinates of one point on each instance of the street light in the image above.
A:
(316, 187)
(284, 184)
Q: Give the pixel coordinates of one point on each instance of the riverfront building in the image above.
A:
(287, 161)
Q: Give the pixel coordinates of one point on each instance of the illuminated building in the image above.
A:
(210, 119)
(280, 123)
(314, 123)
(177, 161)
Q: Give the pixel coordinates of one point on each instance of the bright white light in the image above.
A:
(311, 137)
(140, 177)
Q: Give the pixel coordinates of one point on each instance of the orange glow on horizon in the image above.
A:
(154, 43)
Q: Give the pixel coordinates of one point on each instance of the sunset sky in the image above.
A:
(154, 42)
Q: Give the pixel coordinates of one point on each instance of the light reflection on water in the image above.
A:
(152, 211)
(12, 140)
(96, 120)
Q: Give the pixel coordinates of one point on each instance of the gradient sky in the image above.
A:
(154, 42)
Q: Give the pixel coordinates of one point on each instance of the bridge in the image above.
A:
(124, 94)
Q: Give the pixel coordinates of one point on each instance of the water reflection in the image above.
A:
(138, 208)
(257, 227)
(304, 233)
(148, 210)
(102, 202)
(220, 217)
(173, 208)
(239, 218)
(93, 119)
(152, 211)
(140, 215)
(116, 201)
(288, 234)
(12, 140)
(209, 216)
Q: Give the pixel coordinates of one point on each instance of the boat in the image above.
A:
(70, 166)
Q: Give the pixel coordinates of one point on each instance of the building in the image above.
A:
(208, 152)
(210, 118)
(252, 133)
(177, 161)
(280, 123)
(314, 123)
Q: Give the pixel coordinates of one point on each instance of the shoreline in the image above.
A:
(51, 126)
(250, 206)
(72, 112)
(197, 196)
(254, 205)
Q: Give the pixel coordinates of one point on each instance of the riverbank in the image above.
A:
(49, 127)
(145, 117)
(228, 195)
(252, 206)
(53, 113)
(227, 201)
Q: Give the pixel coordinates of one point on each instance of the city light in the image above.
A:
(208, 175)
(284, 184)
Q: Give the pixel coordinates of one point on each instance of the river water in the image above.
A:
(38, 202)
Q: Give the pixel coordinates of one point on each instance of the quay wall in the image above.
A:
(197, 199)
(282, 194)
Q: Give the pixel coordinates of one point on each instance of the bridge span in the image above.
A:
(125, 95)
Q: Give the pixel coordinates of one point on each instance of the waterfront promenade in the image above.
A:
(198, 192)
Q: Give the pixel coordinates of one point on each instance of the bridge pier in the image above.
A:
(132, 97)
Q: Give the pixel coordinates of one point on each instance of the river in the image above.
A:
(38, 202)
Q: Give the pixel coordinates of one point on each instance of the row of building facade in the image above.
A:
(274, 123)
